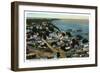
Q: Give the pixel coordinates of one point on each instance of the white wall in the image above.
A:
(5, 31)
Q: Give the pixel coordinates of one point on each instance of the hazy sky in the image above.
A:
(57, 15)
(66, 17)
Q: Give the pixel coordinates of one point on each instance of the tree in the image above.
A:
(69, 34)
(79, 37)
(85, 41)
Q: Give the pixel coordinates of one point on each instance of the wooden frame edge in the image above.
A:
(14, 38)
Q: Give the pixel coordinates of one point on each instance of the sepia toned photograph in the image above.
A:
(50, 37)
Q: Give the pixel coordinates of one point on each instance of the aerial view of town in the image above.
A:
(53, 38)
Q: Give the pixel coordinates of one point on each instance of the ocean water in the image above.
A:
(64, 26)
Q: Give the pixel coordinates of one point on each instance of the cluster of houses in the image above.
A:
(46, 41)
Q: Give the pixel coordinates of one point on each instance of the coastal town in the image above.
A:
(44, 40)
